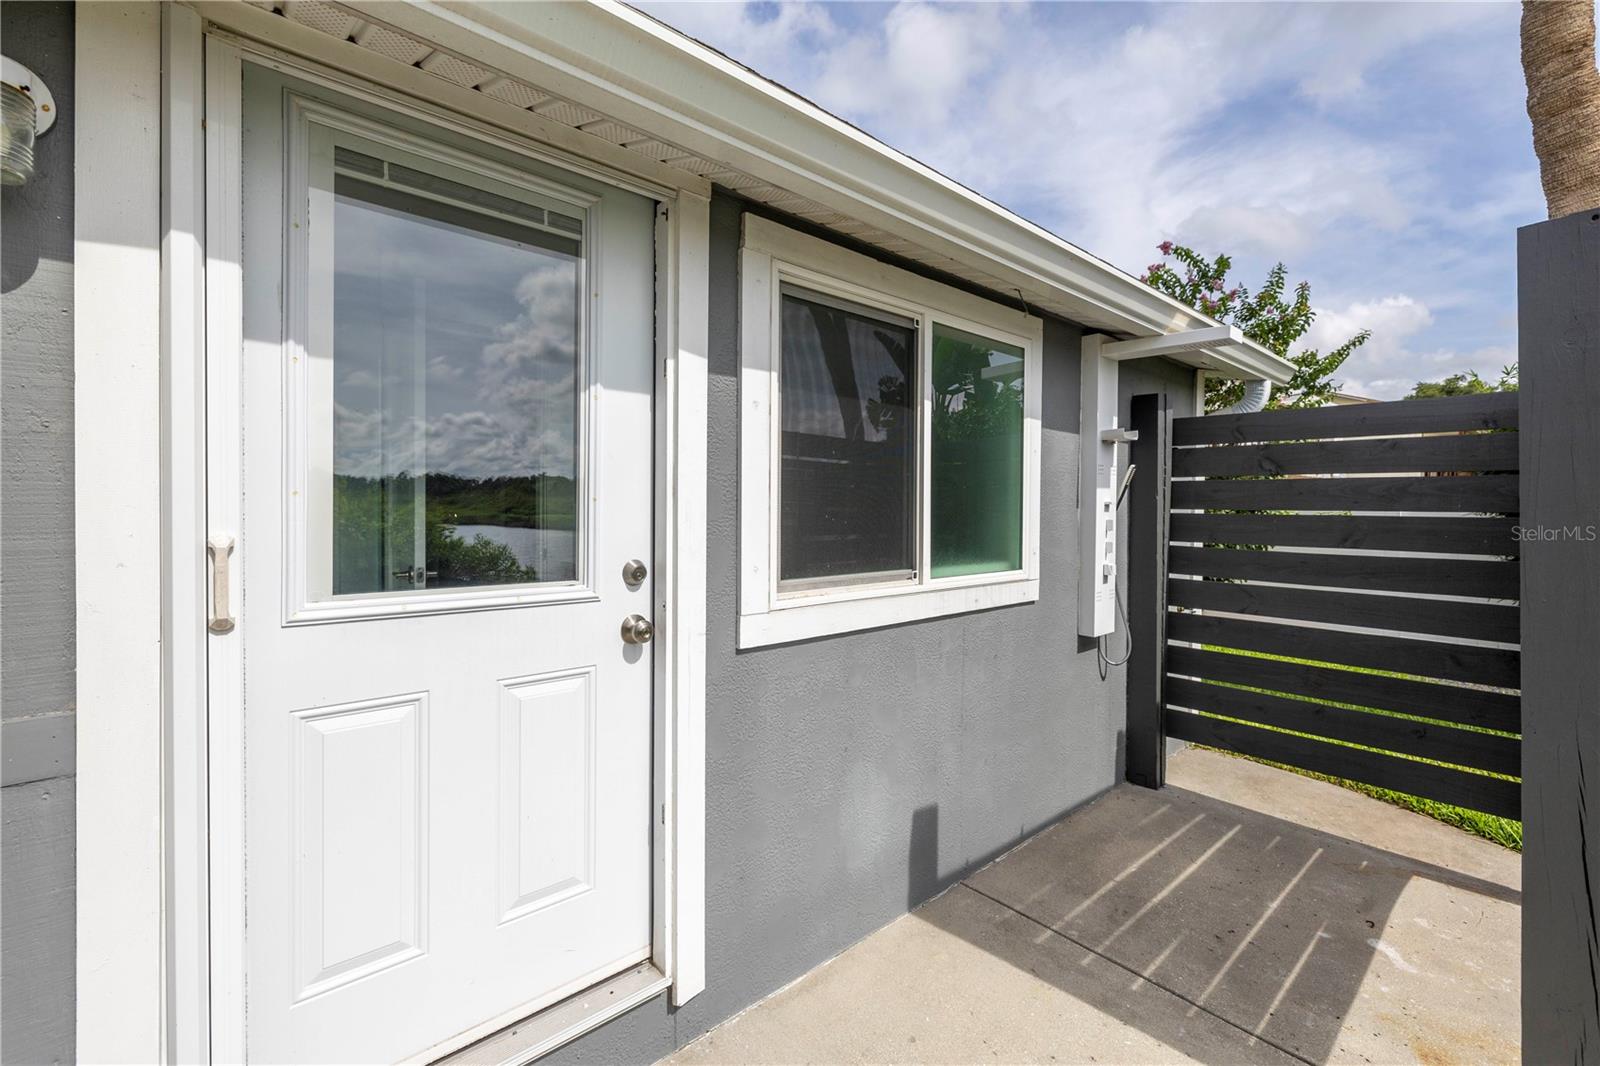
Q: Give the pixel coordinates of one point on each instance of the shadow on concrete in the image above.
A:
(1266, 924)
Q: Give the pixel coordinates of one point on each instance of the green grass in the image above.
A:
(1506, 832)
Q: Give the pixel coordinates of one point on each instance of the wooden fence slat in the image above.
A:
(1404, 614)
(1446, 703)
(1487, 578)
(1436, 415)
(1359, 475)
(1423, 658)
(1364, 455)
(1473, 494)
(1418, 533)
(1459, 787)
(1461, 747)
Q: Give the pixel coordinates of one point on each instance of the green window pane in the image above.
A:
(977, 454)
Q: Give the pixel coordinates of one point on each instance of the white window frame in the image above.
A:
(307, 578)
(772, 257)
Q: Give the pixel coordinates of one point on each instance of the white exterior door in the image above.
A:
(446, 464)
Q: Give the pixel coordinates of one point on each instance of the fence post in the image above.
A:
(1145, 744)
(1558, 301)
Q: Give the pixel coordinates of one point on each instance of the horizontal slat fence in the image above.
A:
(1342, 594)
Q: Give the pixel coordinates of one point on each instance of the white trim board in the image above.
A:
(154, 924)
(117, 338)
(775, 255)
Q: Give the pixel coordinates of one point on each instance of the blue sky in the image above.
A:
(1380, 150)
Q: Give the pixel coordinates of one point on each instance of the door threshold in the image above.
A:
(544, 1031)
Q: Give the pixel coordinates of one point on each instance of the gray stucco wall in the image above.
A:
(851, 778)
(848, 778)
(36, 564)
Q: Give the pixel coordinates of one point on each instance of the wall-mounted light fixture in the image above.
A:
(26, 111)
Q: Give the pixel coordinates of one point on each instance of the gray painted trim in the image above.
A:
(38, 660)
(1558, 308)
(37, 749)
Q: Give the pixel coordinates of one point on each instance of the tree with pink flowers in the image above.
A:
(1265, 316)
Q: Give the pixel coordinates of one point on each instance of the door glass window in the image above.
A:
(456, 372)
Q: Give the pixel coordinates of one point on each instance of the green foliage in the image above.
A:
(1467, 384)
(480, 561)
(544, 501)
(374, 519)
(977, 458)
(967, 405)
(1266, 316)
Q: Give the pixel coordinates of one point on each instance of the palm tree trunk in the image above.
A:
(1558, 61)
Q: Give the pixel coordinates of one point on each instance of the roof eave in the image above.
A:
(620, 62)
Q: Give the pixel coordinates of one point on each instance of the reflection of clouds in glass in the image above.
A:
(529, 372)
(497, 322)
(442, 372)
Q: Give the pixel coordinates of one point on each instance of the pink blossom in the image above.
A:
(1165, 247)
(1216, 285)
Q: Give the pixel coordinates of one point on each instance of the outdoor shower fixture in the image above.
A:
(1098, 494)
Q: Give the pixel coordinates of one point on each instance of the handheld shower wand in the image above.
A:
(1127, 479)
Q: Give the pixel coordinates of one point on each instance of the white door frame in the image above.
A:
(160, 943)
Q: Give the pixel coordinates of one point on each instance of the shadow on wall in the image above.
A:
(1265, 923)
(923, 879)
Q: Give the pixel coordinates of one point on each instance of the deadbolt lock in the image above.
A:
(634, 572)
(636, 629)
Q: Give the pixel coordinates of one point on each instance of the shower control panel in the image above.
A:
(1099, 435)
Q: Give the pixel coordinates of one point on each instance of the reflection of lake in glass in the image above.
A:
(553, 553)
(455, 344)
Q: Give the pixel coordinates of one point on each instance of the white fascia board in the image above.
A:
(1247, 361)
(1222, 351)
(624, 64)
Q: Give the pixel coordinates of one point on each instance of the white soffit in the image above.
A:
(588, 61)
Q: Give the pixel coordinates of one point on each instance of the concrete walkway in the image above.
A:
(1241, 915)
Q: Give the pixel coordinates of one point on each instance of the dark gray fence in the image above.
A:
(1558, 341)
(1285, 524)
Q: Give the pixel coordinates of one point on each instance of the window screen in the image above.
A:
(847, 488)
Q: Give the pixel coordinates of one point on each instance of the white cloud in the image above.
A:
(1270, 131)
(1391, 363)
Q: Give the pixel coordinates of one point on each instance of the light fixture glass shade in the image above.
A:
(16, 135)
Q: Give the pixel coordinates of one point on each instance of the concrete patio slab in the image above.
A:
(1242, 914)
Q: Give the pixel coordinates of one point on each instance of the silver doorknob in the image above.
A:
(634, 572)
(636, 629)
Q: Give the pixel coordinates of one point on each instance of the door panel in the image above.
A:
(446, 459)
(360, 828)
(546, 765)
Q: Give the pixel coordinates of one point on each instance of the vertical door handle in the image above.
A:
(218, 550)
